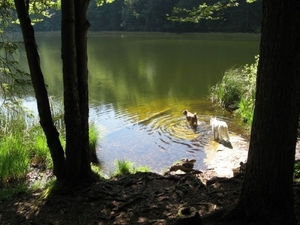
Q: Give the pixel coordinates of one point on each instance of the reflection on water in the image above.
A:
(139, 86)
(156, 141)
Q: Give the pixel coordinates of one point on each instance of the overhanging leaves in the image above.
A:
(203, 11)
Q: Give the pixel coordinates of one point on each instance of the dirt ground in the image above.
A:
(141, 198)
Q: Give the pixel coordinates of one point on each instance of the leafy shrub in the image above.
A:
(236, 90)
(227, 93)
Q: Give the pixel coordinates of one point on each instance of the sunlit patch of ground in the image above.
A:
(222, 158)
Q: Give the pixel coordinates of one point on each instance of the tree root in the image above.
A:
(187, 216)
(130, 201)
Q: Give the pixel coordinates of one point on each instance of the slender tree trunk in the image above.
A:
(81, 30)
(267, 192)
(40, 90)
(71, 94)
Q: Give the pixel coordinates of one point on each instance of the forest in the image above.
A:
(157, 16)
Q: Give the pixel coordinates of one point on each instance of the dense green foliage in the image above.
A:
(156, 15)
(236, 90)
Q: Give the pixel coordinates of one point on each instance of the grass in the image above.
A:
(39, 150)
(7, 193)
(125, 167)
(23, 143)
(236, 91)
(14, 159)
(93, 139)
(14, 154)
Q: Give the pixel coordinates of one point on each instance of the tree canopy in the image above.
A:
(167, 16)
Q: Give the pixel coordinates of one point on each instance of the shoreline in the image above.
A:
(222, 160)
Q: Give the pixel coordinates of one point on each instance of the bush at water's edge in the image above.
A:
(236, 91)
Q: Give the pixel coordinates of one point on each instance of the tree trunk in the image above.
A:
(40, 90)
(82, 25)
(71, 95)
(75, 77)
(267, 192)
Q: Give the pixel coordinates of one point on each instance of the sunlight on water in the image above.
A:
(140, 84)
(157, 140)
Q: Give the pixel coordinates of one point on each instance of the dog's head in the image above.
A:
(212, 120)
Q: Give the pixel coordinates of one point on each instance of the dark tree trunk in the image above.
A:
(267, 192)
(75, 77)
(76, 167)
(71, 95)
(41, 94)
(81, 30)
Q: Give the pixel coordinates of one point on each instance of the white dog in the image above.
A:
(219, 129)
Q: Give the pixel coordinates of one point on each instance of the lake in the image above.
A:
(141, 82)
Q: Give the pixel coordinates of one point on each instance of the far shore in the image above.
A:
(208, 35)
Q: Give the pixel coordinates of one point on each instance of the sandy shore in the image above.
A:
(223, 159)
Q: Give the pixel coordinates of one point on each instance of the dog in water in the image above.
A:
(191, 118)
(219, 129)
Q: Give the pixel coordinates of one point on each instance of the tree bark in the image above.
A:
(40, 90)
(71, 95)
(75, 77)
(267, 192)
(76, 166)
(82, 25)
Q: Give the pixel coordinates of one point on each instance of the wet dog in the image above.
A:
(191, 118)
(219, 129)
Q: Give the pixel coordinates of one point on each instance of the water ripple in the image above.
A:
(155, 141)
(178, 131)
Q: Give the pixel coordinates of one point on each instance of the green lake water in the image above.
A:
(141, 82)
